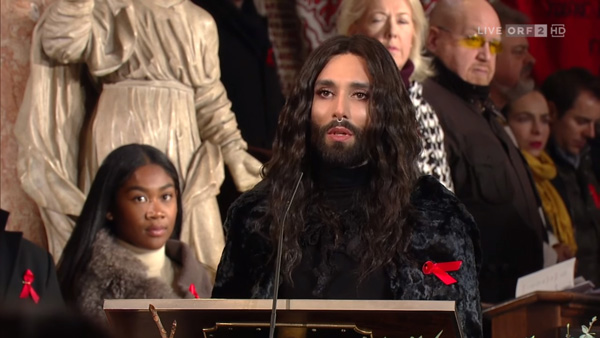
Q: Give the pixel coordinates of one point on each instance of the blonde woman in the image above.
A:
(401, 26)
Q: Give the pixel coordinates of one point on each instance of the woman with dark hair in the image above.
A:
(528, 117)
(121, 246)
(361, 224)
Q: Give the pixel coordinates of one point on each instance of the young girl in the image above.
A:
(121, 246)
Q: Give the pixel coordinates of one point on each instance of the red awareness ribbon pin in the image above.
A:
(27, 288)
(439, 270)
(595, 195)
(270, 58)
(193, 290)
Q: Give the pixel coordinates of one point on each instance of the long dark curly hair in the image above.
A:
(393, 145)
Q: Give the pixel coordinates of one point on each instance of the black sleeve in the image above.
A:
(246, 259)
(447, 232)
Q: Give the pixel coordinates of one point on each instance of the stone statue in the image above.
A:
(156, 62)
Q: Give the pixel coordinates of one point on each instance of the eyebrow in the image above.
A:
(140, 188)
(383, 11)
(583, 118)
(354, 84)
(529, 113)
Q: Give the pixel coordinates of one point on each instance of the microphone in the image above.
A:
(278, 262)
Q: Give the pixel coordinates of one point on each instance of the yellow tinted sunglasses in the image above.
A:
(477, 41)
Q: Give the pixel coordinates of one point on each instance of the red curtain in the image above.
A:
(580, 45)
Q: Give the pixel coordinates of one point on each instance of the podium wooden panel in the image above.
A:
(542, 313)
(385, 318)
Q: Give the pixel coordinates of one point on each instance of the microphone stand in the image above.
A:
(278, 262)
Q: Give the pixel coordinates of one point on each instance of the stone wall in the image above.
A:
(18, 17)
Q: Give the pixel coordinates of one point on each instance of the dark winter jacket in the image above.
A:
(493, 181)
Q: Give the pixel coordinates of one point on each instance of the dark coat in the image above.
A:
(249, 74)
(248, 69)
(580, 191)
(114, 273)
(17, 255)
(443, 231)
(492, 180)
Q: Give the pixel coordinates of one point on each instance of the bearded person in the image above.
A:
(361, 224)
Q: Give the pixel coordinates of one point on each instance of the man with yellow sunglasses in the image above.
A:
(489, 174)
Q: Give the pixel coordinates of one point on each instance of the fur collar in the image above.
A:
(113, 273)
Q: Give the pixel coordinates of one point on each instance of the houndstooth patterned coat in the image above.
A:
(432, 160)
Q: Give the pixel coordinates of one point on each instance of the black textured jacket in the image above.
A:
(444, 231)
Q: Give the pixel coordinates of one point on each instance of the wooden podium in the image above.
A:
(544, 314)
(216, 318)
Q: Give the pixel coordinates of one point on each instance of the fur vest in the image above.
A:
(114, 273)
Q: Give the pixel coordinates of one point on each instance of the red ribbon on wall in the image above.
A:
(193, 290)
(28, 290)
(439, 270)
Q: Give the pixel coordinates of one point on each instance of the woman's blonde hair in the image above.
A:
(351, 11)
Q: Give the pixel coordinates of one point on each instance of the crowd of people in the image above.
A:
(406, 141)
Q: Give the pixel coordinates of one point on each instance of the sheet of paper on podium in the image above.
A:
(557, 277)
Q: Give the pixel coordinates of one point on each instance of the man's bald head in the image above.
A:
(453, 20)
(446, 13)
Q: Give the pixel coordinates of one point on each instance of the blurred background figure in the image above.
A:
(514, 63)
(490, 176)
(249, 74)
(529, 120)
(121, 246)
(573, 35)
(401, 26)
(573, 97)
(27, 273)
(595, 152)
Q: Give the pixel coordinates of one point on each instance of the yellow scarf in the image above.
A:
(544, 170)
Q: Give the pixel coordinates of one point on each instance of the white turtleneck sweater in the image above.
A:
(156, 261)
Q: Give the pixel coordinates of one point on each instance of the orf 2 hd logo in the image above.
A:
(558, 30)
(535, 31)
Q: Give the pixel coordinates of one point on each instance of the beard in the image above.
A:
(524, 86)
(339, 154)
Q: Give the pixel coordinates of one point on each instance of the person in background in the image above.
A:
(595, 152)
(121, 246)
(27, 273)
(514, 63)
(490, 176)
(573, 97)
(249, 74)
(362, 224)
(401, 26)
(529, 119)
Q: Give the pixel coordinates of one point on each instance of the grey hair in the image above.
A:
(351, 11)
